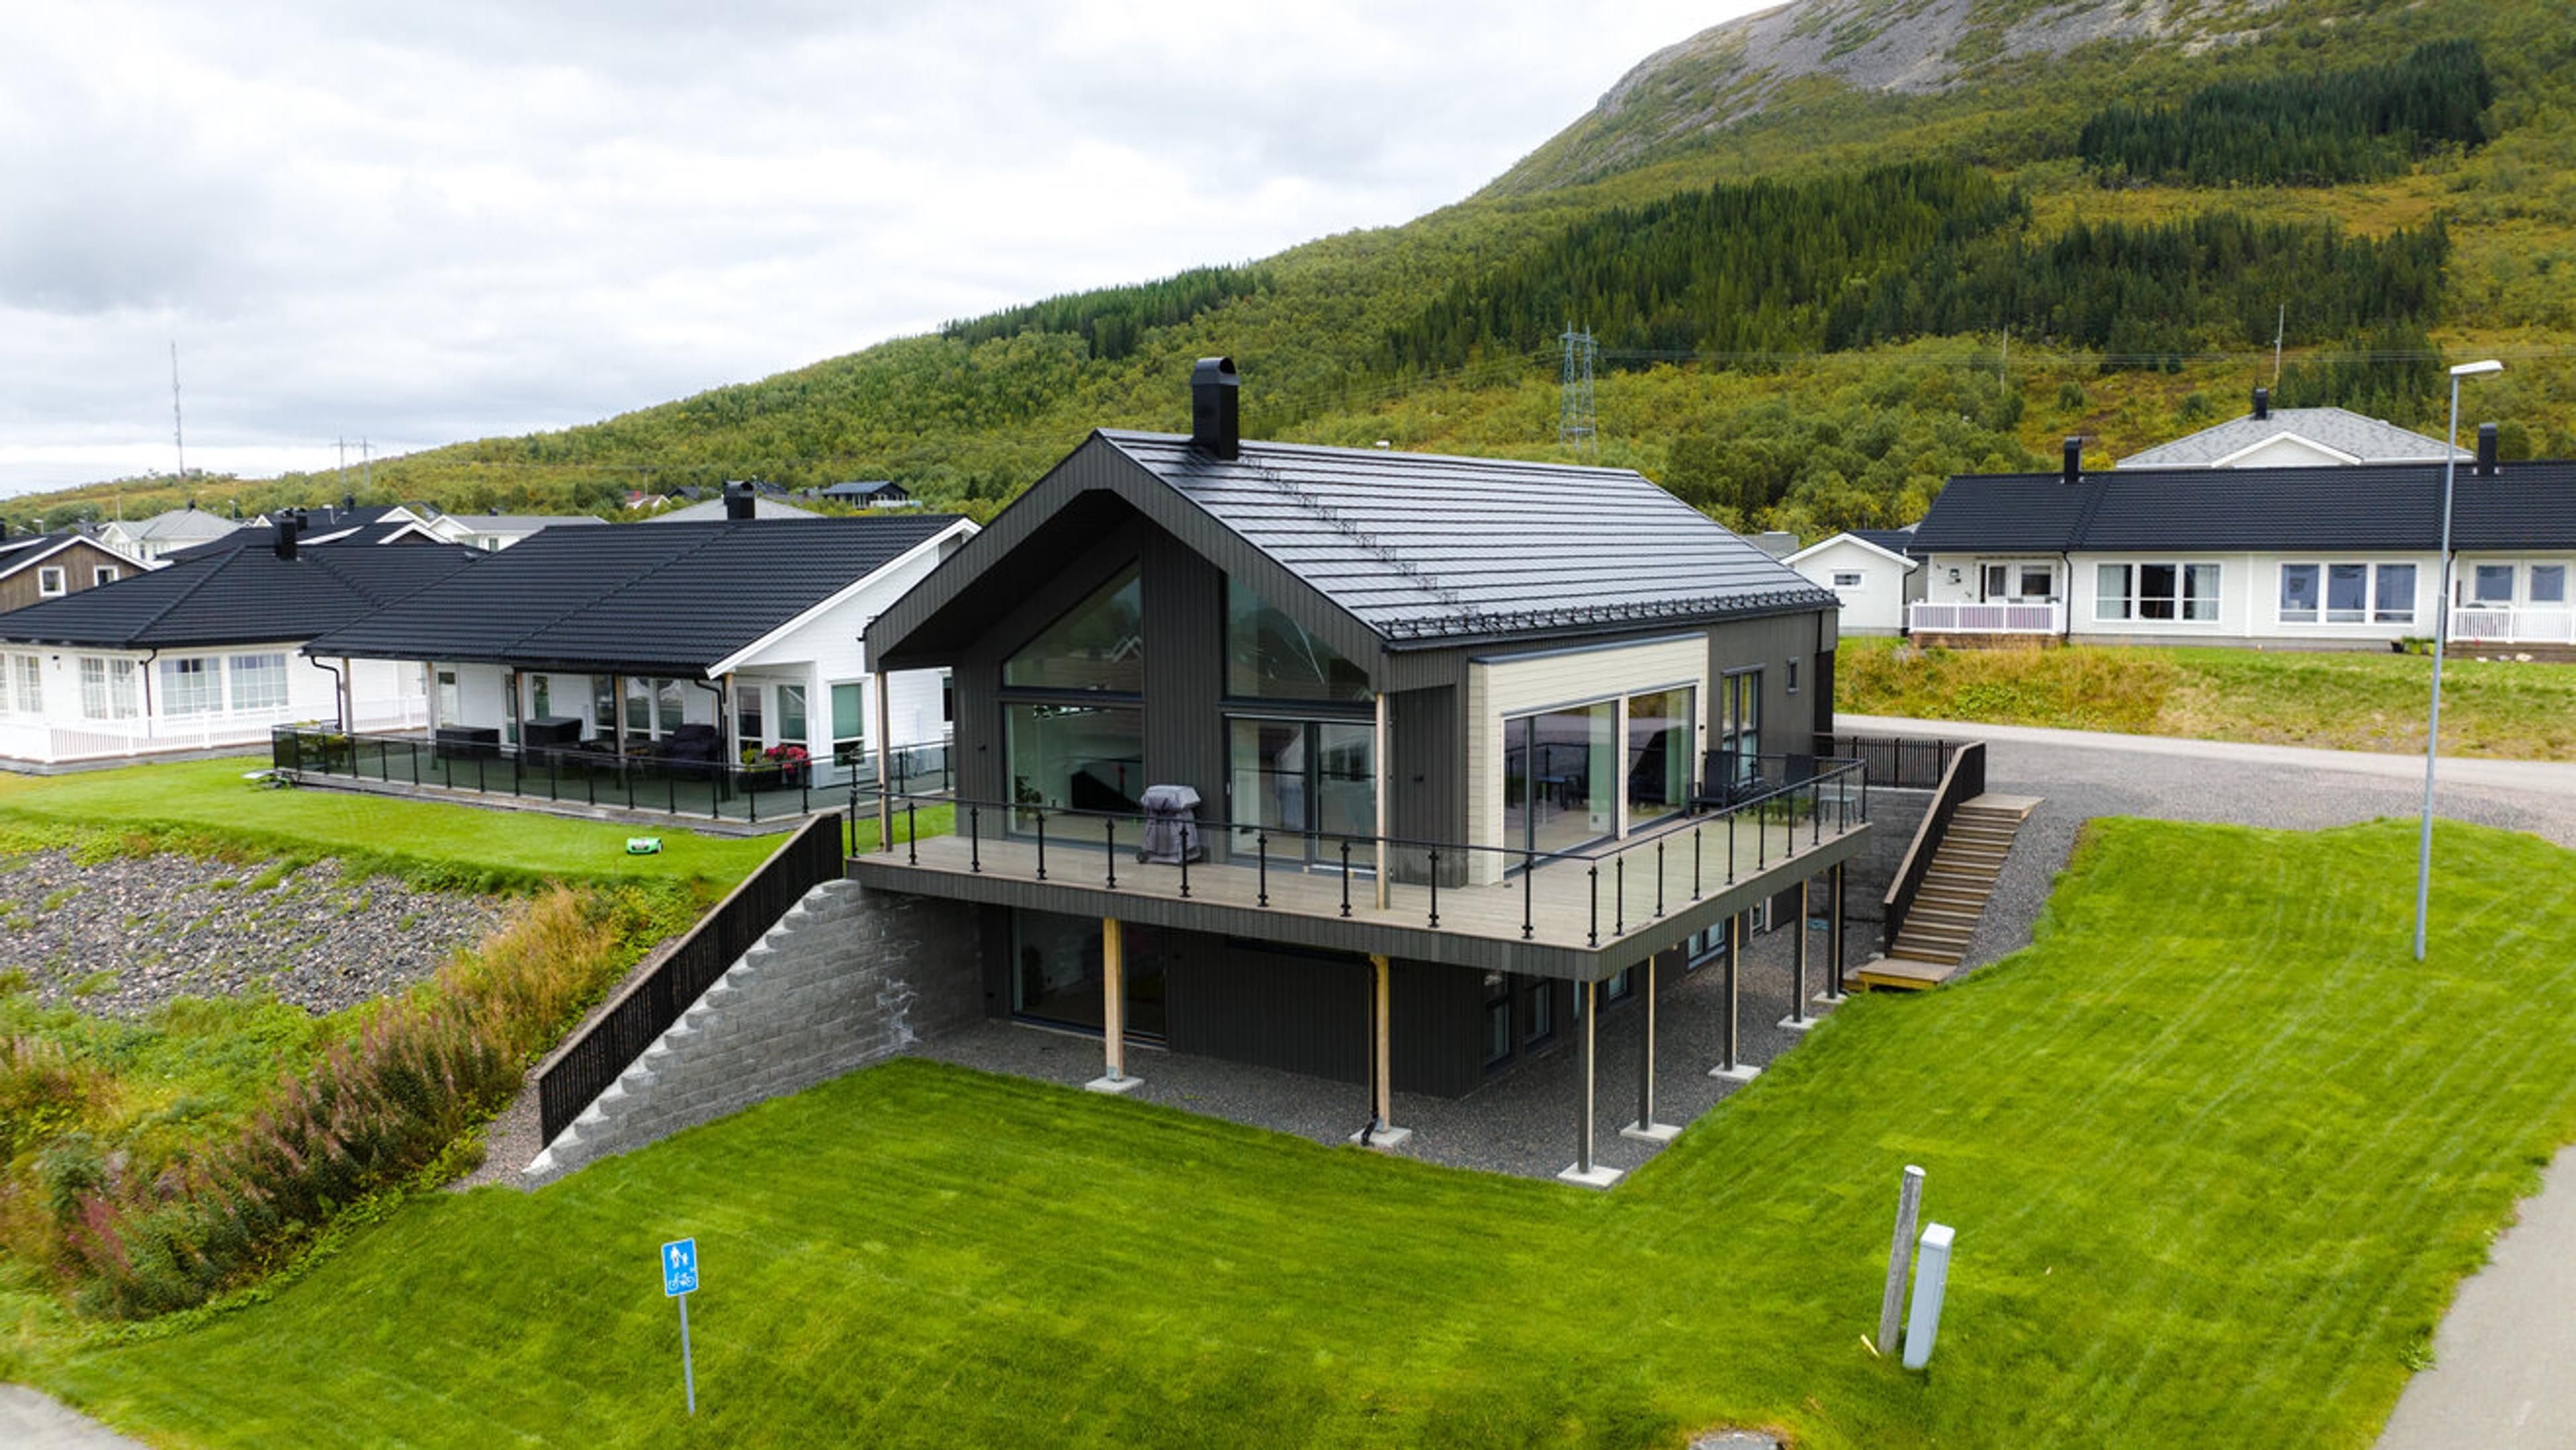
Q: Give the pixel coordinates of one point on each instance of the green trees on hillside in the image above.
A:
(2309, 130)
(1112, 319)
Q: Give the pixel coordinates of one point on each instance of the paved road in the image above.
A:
(2505, 1356)
(31, 1420)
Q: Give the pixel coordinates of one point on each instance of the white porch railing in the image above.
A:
(1967, 618)
(2530, 624)
(29, 739)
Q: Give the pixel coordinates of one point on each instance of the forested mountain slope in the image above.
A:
(1801, 240)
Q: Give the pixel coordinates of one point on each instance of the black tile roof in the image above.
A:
(316, 533)
(1423, 547)
(237, 596)
(2359, 507)
(1894, 541)
(674, 599)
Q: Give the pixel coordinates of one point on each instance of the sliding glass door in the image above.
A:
(1308, 783)
(1561, 777)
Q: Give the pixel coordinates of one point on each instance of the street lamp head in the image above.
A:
(2477, 369)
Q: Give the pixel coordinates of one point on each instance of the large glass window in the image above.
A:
(191, 685)
(2395, 602)
(639, 710)
(2493, 584)
(849, 722)
(750, 721)
(1270, 656)
(107, 688)
(2299, 593)
(792, 722)
(670, 706)
(2156, 591)
(1309, 783)
(30, 694)
(1076, 757)
(1560, 770)
(1661, 731)
(2347, 593)
(1059, 972)
(258, 682)
(1099, 645)
(2548, 583)
(603, 706)
(1739, 725)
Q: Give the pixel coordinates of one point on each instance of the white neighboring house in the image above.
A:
(202, 653)
(1868, 571)
(492, 532)
(705, 643)
(180, 528)
(2270, 437)
(2297, 557)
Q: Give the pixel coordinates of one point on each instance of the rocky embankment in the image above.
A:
(122, 936)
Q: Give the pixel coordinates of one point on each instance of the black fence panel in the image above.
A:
(585, 1067)
(1892, 761)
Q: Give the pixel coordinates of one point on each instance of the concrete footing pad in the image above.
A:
(1651, 1132)
(1741, 1072)
(1799, 1024)
(1113, 1085)
(1389, 1136)
(1601, 1175)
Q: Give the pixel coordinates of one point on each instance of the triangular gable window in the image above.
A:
(1098, 645)
(1269, 656)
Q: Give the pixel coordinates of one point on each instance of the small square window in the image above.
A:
(105, 574)
(51, 582)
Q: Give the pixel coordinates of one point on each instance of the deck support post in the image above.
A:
(1381, 1131)
(1729, 1068)
(1583, 1170)
(1646, 1129)
(1798, 1020)
(1113, 1009)
(885, 756)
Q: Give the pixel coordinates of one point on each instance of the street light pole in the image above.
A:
(2441, 632)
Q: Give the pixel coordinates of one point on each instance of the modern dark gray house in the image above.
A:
(1475, 744)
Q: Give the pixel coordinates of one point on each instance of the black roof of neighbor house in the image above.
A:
(2360, 507)
(316, 533)
(237, 595)
(675, 599)
(859, 488)
(1894, 541)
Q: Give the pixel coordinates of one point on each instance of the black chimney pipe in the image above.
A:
(285, 536)
(2487, 450)
(2262, 404)
(2074, 461)
(738, 502)
(1216, 424)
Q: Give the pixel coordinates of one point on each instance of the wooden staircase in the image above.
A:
(1934, 939)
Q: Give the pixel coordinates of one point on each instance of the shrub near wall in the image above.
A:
(399, 1096)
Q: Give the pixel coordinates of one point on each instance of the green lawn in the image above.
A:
(210, 796)
(2216, 1150)
(2336, 701)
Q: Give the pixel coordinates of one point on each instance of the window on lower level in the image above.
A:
(28, 686)
(849, 721)
(259, 682)
(2351, 593)
(2156, 591)
(2547, 583)
(107, 688)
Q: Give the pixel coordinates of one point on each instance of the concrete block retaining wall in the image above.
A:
(846, 978)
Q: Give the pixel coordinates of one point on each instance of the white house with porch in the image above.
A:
(1868, 570)
(712, 648)
(2296, 557)
(203, 653)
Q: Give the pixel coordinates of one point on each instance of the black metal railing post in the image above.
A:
(1109, 838)
(1618, 896)
(1185, 860)
(911, 832)
(974, 838)
(1435, 888)
(1261, 846)
(1346, 878)
(1529, 892)
(1042, 845)
(1593, 937)
(1659, 876)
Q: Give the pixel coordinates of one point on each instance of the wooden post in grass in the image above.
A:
(1381, 1131)
(1900, 1257)
(1113, 1010)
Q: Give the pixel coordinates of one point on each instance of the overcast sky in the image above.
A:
(418, 223)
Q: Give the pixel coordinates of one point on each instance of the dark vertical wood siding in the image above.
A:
(1295, 1011)
(1439, 1016)
(1427, 776)
(1185, 740)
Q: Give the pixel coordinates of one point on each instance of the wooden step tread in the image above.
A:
(1901, 974)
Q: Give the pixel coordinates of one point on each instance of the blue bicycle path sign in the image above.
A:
(679, 1267)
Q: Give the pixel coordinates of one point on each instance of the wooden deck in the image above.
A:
(1579, 918)
(1898, 974)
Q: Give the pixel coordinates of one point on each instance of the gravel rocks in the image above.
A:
(123, 936)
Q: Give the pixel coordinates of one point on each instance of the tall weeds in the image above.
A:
(128, 1240)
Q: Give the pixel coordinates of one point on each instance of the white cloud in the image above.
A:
(420, 223)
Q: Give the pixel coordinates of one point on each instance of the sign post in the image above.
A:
(679, 1279)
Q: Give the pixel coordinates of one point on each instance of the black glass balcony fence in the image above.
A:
(478, 762)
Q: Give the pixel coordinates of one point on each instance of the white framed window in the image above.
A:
(2491, 584)
(1849, 579)
(2347, 593)
(2176, 591)
(191, 685)
(27, 692)
(105, 574)
(258, 681)
(52, 582)
(849, 721)
(107, 688)
(2038, 581)
(2546, 583)
(750, 723)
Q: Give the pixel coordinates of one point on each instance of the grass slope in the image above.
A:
(2217, 1152)
(2343, 701)
(210, 799)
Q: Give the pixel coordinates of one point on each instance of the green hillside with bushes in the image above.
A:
(1815, 300)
